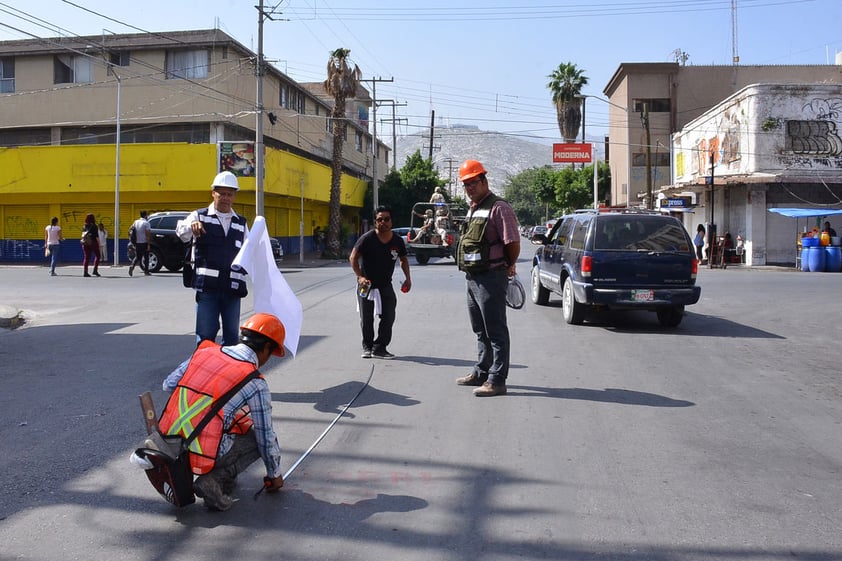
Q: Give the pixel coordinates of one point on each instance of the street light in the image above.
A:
(612, 104)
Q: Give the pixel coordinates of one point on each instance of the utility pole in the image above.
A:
(432, 131)
(259, 149)
(645, 118)
(393, 120)
(374, 147)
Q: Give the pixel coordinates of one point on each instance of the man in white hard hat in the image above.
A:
(217, 233)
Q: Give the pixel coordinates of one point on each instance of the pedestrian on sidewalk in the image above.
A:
(52, 241)
(90, 245)
(142, 233)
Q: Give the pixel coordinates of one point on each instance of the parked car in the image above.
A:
(537, 231)
(622, 260)
(167, 250)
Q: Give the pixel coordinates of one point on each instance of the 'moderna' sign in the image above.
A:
(572, 153)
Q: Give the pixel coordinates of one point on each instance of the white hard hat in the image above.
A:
(225, 179)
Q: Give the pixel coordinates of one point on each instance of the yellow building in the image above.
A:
(186, 102)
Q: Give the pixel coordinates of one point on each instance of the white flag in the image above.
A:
(272, 294)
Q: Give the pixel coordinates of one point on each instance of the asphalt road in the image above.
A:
(618, 440)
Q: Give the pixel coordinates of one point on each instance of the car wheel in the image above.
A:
(422, 258)
(154, 261)
(572, 311)
(670, 317)
(540, 295)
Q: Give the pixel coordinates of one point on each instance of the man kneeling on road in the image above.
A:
(243, 431)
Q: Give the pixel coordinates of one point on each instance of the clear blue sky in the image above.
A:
(482, 63)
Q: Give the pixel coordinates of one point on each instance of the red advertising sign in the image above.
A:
(572, 153)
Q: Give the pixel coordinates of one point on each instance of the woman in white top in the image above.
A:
(103, 243)
(52, 240)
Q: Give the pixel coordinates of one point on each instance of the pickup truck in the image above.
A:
(432, 232)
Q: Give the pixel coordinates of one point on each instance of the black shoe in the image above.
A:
(86, 275)
(382, 353)
(96, 274)
(131, 270)
(366, 353)
(147, 273)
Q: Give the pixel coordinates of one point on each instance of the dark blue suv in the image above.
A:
(629, 259)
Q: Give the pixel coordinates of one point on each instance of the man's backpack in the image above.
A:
(132, 234)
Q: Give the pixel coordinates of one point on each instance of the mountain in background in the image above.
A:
(503, 155)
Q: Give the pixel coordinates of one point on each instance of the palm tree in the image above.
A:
(566, 83)
(341, 83)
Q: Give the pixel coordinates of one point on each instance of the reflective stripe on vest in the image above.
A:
(472, 253)
(214, 253)
(209, 376)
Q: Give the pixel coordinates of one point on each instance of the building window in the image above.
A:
(72, 69)
(284, 97)
(358, 141)
(328, 124)
(302, 106)
(7, 74)
(187, 64)
(659, 159)
(119, 58)
(655, 105)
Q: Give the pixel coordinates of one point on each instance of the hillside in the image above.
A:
(502, 155)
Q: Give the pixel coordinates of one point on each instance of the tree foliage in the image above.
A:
(566, 83)
(537, 194)
(414, 182)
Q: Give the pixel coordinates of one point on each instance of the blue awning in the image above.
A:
(805, 212)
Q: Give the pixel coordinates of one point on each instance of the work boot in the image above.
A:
(488, 390)
(208, 488)
(96, 273)
(471, 379)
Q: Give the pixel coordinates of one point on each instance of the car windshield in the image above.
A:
(639, 233)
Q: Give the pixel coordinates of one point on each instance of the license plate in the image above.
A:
(643, 295)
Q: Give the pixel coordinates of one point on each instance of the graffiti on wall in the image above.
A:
(818, 136)
(723, 149)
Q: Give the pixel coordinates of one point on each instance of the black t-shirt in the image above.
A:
(378, 258)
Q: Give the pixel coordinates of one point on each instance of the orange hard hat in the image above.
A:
(268, 326)
(470, 169)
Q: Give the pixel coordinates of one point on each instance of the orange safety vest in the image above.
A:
(210, 375)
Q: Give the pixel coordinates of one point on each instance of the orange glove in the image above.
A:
(273, 484)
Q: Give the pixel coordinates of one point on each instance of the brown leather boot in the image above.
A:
(488, 390)
(471, 379)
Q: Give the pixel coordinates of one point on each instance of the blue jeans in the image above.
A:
(54, 249)
(212, 305)
(487, 312)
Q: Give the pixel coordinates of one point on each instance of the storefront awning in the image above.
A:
(805, 212)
